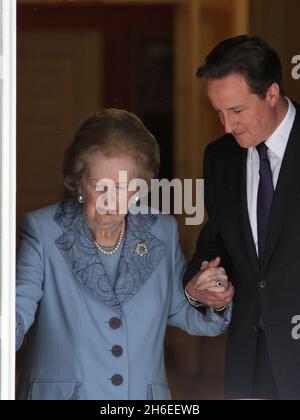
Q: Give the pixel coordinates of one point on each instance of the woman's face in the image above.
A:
(105, 189)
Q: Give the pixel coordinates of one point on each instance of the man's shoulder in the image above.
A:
(223, 145)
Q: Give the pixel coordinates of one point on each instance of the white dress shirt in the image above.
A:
(276, 143)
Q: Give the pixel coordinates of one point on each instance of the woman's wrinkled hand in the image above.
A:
(210, 286)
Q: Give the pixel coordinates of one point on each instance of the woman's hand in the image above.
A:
(211, 286)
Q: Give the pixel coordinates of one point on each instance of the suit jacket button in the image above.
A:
(117, 380)
(117, 351)
(262, 284)
(115, 323)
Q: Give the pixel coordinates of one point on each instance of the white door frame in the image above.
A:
(7, 197)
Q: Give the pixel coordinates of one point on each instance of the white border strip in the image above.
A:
(8, 200)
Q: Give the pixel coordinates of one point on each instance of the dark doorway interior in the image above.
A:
(136, 72)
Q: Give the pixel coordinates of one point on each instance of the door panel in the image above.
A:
(60, 80)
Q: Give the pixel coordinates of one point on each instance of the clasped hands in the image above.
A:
(210, 286)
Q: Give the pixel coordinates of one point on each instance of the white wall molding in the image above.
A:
(8, 198)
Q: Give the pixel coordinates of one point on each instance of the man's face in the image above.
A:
(248, 117)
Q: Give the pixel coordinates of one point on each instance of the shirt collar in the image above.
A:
(278, 141)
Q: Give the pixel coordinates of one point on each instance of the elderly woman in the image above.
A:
(96, 286)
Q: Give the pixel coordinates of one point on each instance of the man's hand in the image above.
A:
(210, 286)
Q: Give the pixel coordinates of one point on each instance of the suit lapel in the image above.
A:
(237, 169)
(288, 186)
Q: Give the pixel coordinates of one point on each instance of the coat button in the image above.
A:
(117, 380)
(115, 323)
(262, 284)
(117, 351)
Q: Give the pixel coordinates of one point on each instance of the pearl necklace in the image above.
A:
(117, 246)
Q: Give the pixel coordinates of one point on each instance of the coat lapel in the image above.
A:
(134, 268)
(287, 189)
(237, 170)
(77, 247)
(80, 253)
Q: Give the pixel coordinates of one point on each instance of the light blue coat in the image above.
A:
(88, 340)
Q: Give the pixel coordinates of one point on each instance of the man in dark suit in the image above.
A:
(252, 193)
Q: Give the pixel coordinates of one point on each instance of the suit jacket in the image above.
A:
(89, 339)
(270, 289)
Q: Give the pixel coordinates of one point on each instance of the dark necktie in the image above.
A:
(264, 197)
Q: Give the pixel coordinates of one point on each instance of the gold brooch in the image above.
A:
(141, 249)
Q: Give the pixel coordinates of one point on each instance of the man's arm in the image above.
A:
(209, 244)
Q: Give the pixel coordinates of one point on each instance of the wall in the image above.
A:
(7, 196)
(277, 21)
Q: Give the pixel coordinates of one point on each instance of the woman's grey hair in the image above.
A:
(114, 132)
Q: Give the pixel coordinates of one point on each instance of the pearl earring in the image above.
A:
(80, 199)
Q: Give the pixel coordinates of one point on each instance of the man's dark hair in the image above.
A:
(249, 56)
